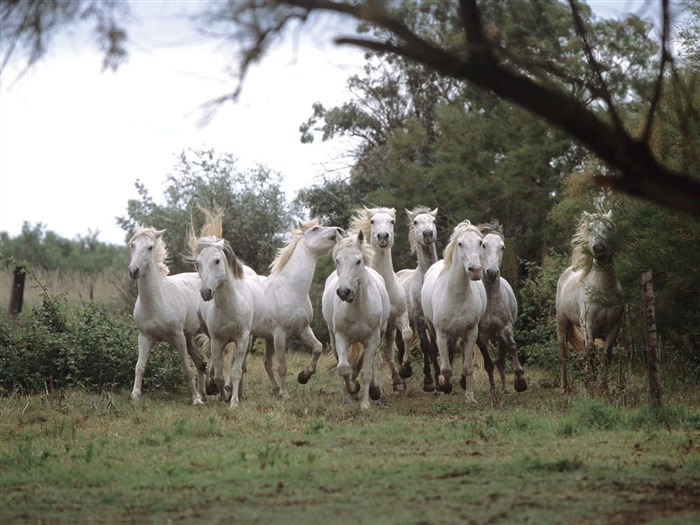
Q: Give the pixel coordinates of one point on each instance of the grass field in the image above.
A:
(535, 457)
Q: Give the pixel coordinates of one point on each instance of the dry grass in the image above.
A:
(73, 285)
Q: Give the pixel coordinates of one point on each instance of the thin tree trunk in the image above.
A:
(17, 296)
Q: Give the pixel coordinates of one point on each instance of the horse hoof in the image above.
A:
(304, 377)
(211, 389)
(463, 382)
(354, 387)
(375, 392)
(520, 384)
(405, 371)
(429, 387)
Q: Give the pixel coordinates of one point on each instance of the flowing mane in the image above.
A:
(494, 227)
(412, 228)
(286, 251)
(234, 264)
(461, 228)
(362, 217)
(367, 250)
(161, 251)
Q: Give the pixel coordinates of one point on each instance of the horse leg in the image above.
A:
(483, 345)
(217, 363)
(371, 349)
(145, 344)
(434, 351)
(563, 327)
(425, 346)
(237, 366)
(180, 343)
(443, 383)
(467, 345)
(519, 382)
(269, 362)
(345, 371)
(199, 364)
(375, 387)
(405, 335)
(390, 337)
(280, 338)
(309, 339)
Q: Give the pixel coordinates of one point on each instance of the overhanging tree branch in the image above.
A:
(638, 171)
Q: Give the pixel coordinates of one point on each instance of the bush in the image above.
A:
(91, 345)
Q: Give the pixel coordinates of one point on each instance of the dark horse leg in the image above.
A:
(429, 351)
(483, 345)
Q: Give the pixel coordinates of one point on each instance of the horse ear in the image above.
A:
(159, 233)
(609, 214)
(360, 237)
(409, 213)
(220, 243)
(434, 212)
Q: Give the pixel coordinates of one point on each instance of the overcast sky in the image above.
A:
(74, 139)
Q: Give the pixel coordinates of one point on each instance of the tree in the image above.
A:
(479, 56)
(255, 210)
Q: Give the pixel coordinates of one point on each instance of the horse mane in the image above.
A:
(160, 249)
(366, 248)
(362, 217)
(581, 256)
(286, 251)
(461, 228)
(234, 264)
(411, 227)
(494, 227)
(213, 227)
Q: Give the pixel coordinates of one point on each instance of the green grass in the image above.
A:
(536, 457)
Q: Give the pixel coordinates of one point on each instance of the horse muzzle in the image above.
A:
(492, 275)
(474, 273)
(134, 272)
(345, 294)
(207, 294)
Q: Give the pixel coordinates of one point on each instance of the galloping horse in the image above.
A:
(233, 308)
(589, 301)
(501, 310)
(355, 306)
(422, 234)
(377, 226)
(165, 309)
(454, 301)
(288, 307)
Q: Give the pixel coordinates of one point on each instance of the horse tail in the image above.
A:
(205, 344)
(356, 352)
(575, 338)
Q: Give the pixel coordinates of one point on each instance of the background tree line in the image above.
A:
(426, 138)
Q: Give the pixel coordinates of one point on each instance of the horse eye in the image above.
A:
(459, 244)
(357, 263)
(150, 248)
(314, 229)
(393, 221)
(217, 261)
(415, 223)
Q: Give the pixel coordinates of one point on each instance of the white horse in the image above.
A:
(377, 226)
(501, 310)
(288, 307)
(355, 306)
(454, 300)
(589, 301)
(165, 309)
(233, 308)
(422, 235)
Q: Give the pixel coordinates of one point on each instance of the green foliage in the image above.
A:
(256, 214)
(58, 345)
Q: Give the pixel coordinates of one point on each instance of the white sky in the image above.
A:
(74, 140)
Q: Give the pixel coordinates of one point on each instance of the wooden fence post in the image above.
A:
(17, 296)
(651, 338)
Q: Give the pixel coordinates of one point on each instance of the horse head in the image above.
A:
(600, 235)
(351, 255)
(465, 244)
(422, 226)
(215, 260)
(492, 249)
(147, 247)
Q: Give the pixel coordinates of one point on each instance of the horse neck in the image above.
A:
(381, 261)
(151, 284)
(457, 278)
(226, 296)
(427, 256)
(603, 275)
(300, 267)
